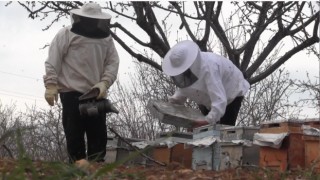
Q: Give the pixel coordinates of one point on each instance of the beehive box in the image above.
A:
(237, 133)
(208, 157)
(313, 122)
(128, 154)
(111, 151)
(312, 152)
(177, 153)
(177, 115)
(291, 153)
(289, 126)
(208, 130)
(233, 155)
(183, 135)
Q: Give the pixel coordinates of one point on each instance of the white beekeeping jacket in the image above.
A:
(219, 83)
(76, 63)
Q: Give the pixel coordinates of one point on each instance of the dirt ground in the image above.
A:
(24, 169)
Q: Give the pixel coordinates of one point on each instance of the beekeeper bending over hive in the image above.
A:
(210, 80)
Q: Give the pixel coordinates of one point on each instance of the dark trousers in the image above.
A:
(231, 114)
(76, 127)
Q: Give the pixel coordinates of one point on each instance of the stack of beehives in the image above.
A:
(280, 145)
(220, 147)
(285, 146)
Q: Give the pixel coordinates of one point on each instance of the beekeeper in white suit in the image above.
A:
(210, 80)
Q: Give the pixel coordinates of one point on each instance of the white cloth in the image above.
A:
(76, 63)
(243, 142)
(219, 83)
(204, 142)
(311, 131)
(140, 144)
(269, 139)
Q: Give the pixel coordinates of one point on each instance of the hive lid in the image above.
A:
(293, 120)
(174, 114)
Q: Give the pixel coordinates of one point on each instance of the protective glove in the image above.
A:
(174, 100)
(102, 86)
(51, 94)
(199, 123)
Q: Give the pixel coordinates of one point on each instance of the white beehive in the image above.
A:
(238, 133)
(206, 156)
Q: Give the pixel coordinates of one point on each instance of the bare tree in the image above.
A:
(312, 87)
(269, 99)
(36, 134)
(47, 140)
(267, 25)
(132, 98)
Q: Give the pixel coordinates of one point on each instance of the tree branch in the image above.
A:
(283, 59)
(139, 57)
(215, 25)
(156, 43)
(208, 13)
(255, 36)
(184, 22)
(266, 51)
(117, 25)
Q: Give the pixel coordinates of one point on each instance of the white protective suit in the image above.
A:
(219, 83)
(76, 63)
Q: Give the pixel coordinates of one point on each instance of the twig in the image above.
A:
(8, 150)
(136, 149)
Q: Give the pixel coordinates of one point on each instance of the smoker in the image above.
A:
(90, 106)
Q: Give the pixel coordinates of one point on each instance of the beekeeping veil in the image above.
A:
(90, 21)
(182, 63)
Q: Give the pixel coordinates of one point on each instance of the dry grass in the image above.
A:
(27, 169)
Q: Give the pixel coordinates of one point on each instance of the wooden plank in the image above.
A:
(281, 127)
(296, 151)
(181, 155)
(312, 152)
(161, 154)
(274, 158)
(292, 150)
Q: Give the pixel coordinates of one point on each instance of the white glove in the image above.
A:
(174, 100)
(51, 94)
(102, 86)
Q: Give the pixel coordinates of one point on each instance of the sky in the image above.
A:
(22, 58)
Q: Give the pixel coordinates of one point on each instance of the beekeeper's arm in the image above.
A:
(57, 49)
(217, 95)
(111, 66)
(177, 98)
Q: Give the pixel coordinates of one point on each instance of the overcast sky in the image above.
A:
(22, 59)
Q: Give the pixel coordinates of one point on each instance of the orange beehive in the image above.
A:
(312, 146)
(176, 153)
(312, 152)
(291, 153)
